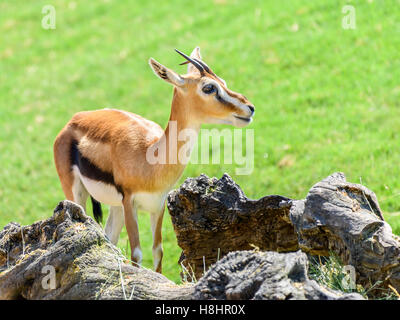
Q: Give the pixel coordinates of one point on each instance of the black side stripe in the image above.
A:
(227, 103)
(89, 169)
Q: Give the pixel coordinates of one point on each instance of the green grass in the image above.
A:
(331, 273)
(327, 99)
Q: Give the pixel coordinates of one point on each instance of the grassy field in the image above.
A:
(327, 99)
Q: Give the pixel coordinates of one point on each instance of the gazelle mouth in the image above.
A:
(242, 118)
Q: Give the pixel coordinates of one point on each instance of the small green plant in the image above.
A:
(188, 275)
(331, 272)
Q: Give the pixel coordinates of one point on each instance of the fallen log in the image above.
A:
(264, 275)
(213, 217)
(72, 248)
(345, 218)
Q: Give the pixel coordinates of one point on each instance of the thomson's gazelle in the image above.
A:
(104, 153)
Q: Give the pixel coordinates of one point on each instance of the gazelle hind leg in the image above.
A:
(114, 224)
(79, 192)
(132, 227)
(62, 149)
(156, 219)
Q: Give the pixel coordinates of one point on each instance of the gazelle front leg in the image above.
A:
(132, 227)
(156, 219)
(115, 223)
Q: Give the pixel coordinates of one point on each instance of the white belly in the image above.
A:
(150, 201)
(102, 192)
(109, 195)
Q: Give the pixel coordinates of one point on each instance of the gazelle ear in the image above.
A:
(166, 74)
(194, 55)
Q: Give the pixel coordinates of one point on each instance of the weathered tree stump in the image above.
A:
(86, 264)
(212, 217)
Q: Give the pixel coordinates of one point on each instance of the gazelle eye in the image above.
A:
(208, 88)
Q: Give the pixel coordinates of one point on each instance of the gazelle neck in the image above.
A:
(180, 117)
(179, 138)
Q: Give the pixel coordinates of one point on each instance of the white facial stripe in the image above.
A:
(223, 81)
(224, 95)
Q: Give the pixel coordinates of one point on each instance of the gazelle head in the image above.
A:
(207, 97)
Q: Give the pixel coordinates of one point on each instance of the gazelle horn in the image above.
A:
(195, 63)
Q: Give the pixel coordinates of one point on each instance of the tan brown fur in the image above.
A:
(116, 142)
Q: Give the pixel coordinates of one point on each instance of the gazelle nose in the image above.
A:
(251, 109)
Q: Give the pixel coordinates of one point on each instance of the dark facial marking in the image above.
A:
(89, 169)
(226, 103)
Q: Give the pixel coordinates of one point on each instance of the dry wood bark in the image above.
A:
(86, 264)
(345, 218)
(264, 275)
(212, 217)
